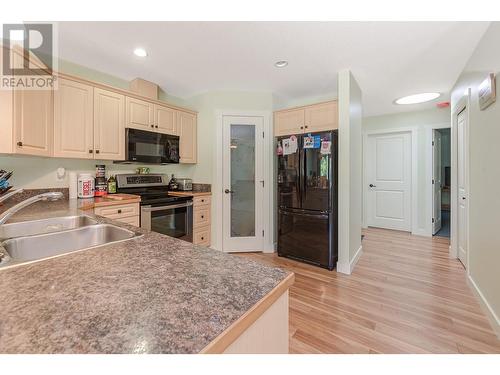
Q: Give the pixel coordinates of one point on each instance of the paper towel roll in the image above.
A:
(73, 185)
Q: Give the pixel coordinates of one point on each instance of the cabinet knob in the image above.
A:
(91, 151)
(156, 126)
(202, 216)
(152, 126)
(302, 127)
(119, 211)
(20, 144)
(306, 126)
(96, 151)
(202, 238)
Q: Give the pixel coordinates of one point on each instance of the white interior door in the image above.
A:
(462, 204)
(436, 181)
(243, 184)
(388, 176)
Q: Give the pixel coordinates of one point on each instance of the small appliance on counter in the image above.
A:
(184, 184)
(180, 184)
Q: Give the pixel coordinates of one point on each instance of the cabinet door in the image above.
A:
(109, 125)
(33, 122)
(73, 120)
(139, 114)
(289, 122)
(321, 117)
(188, 141)
(165, 120)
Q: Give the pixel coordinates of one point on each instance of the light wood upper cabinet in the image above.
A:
(321, 117)
(165, 120)
(33, 122)
(140, 114)
(308, 119)
(74, 120)
(188, 143)
(109, 125)
(289, 122)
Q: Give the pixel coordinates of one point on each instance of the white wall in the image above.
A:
(350, 171)
(484, 200)
(422, 121)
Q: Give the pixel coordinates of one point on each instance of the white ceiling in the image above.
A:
(388, 59)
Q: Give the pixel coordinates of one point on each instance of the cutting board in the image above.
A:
(121, 197)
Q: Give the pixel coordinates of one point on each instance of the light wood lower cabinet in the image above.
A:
(201, 220)
(74, 120)
(109, 125)
(125, 213)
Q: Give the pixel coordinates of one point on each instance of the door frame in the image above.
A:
(414, 169)
(427, 230)
(218, 188)
(462, 104)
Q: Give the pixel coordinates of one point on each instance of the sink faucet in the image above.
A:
(51, 196)
(10, 194)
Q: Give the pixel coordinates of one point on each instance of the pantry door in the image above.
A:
(243, 183)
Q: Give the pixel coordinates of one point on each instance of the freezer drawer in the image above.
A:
(306, 237)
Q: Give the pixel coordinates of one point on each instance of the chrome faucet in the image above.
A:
(10, 194)
(51, 196)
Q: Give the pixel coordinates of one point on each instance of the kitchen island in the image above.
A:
(149, 294)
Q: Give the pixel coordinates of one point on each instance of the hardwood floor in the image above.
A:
(405, 296)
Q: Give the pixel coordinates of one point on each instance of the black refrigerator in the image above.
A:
(307, 198)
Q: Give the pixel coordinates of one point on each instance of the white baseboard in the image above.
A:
(421, 232)
(348, 267)
(494, 320)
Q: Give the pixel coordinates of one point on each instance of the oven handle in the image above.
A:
(150, 209)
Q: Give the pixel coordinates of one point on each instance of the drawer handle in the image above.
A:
(119, 211)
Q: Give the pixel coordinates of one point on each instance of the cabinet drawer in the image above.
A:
(201, 236)
(202, 201)
(115, 212)
(201, 216)
(132, 220)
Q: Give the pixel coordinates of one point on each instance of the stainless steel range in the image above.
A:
(160, 212)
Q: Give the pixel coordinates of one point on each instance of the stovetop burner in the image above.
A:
(153, 188)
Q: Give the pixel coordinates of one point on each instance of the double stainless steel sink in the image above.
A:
(38, 239)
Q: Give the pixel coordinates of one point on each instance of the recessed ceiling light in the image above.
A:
(418, 98)
(281, 64)
(141, 52)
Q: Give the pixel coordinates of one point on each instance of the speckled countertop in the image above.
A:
(152, 294)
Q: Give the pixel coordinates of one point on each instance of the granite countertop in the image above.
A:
(151, 294)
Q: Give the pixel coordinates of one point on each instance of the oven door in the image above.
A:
(174, 220)
(151, 147)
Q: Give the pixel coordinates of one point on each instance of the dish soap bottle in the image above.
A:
(111, 185)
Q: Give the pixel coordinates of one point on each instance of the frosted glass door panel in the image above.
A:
(242, 180)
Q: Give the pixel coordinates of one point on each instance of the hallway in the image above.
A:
(405, 296)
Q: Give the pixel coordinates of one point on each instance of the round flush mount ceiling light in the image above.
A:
(418, 98)
(141, 52)
(281, 64)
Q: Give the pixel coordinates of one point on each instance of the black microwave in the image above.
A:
(142, 146)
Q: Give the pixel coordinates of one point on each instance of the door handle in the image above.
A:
(227, 191)
(371, 185)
